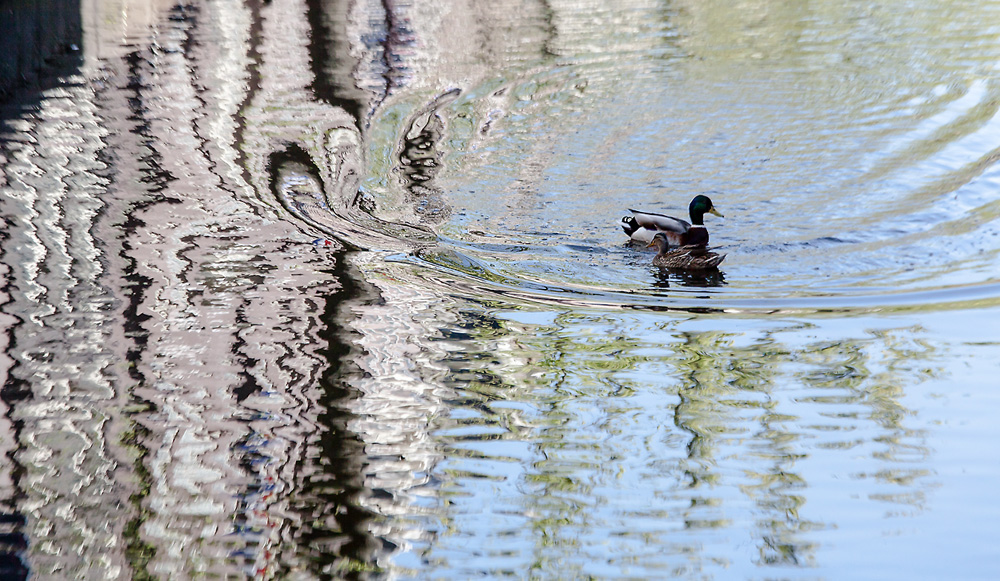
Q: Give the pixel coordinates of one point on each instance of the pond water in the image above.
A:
(337, 289)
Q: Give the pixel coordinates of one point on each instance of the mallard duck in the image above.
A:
(641, 226)
(695, 257)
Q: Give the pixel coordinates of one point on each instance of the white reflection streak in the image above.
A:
(189, 366)
(63, 350)
(399, 401)
(235, 291)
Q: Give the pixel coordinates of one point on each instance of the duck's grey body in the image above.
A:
(642, 226)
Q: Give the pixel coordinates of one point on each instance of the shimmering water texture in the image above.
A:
(328, 289)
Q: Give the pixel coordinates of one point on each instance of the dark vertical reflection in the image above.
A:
(336, 525)
(13, 537)
(334, 532)
(420, 159)
(228, 359)
(36, 34)
(155, 179)
(381, 34)
(332, 64)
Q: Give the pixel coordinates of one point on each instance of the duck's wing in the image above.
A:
(690, 258)
(660, 222)
(695, 250)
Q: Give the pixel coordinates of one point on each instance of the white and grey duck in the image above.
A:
(642, 226)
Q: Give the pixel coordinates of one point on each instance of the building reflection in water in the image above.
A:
(160, 316)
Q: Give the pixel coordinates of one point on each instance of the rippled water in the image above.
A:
(305, 289)
(853, 174)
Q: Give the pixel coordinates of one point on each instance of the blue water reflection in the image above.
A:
(649, 446)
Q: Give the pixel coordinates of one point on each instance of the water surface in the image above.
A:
(307, 289)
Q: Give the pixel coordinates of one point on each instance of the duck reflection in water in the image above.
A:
(664, 277)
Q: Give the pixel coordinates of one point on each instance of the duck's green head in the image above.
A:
(700, 206)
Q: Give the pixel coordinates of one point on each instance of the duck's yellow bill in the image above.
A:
(716, 212)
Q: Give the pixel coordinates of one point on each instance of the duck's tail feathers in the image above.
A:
(630, 225)
(717, 260)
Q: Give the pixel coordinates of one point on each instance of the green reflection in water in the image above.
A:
(654, 444)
